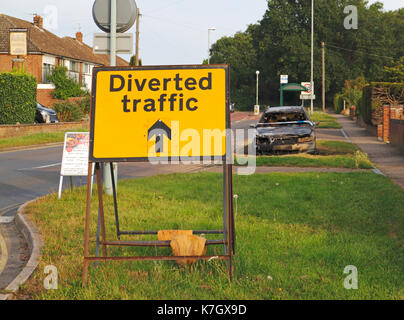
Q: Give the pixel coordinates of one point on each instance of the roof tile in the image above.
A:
(43, 41)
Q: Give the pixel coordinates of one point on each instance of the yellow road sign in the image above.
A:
(141, 113)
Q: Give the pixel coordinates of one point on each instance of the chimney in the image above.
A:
(38, 21)
(79, 37)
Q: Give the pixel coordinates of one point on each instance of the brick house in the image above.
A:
(45, 50)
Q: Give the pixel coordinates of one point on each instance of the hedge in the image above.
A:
(17, 98)
(369, 102)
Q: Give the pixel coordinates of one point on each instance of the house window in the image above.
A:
(46, 72)
(74, 72)
(74, 66)
(86, 68)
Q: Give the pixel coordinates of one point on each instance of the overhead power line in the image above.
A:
(165, 7)
(358, 51)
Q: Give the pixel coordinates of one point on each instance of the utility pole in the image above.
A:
(112, 55)
(323, 91)
(137, 37)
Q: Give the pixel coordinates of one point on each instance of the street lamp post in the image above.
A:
(256, 100)
(209, 30)
(312, 53)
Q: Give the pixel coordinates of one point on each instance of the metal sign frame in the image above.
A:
(227, 232)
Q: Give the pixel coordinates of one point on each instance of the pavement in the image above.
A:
(387, 158)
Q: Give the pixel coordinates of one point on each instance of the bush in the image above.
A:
(84, 105)
(338, 103)
(17, 98)
(68, 112)
(64, 86)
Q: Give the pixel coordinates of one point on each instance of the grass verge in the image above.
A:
(357, 161)
(295, 235)
(326, 120)
(329, 147)
(35, 139)
(332, 154)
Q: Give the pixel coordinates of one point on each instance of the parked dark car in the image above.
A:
(45, 115)
(285, 130)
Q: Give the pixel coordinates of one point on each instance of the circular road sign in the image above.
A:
(126, 14)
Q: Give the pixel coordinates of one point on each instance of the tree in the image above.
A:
(239, 53)
(280, 44)
(395, 73)
(132, 61)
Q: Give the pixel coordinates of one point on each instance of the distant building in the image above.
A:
(44, 51)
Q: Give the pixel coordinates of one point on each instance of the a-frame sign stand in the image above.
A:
(213, 74)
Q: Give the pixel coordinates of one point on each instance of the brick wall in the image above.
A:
(32, 64)
(397, 132)
(7, 131)
(386, 123)
(393, 121)
(380, 132)
(44, 97)
(397, 112)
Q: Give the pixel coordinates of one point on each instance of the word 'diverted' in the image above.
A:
(175, 101)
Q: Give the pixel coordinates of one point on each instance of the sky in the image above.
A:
(171, 31)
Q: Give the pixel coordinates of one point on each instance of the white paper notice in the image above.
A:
(75, 154)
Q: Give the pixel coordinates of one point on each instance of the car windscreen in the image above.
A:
(278, 117)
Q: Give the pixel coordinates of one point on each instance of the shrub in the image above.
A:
(338, 103)
(64, 86)
(84, 105)
(68, 112)
(17, 98)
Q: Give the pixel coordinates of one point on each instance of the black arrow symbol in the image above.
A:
(159, 129)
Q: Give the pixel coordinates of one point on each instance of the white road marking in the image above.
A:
(377, 171)
(6, 219)
(41, 167)
(9, 208)
(345, 135)
(3, 254)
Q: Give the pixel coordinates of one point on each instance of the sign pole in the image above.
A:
(87, 227)
(137, 37)
(281, 102)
